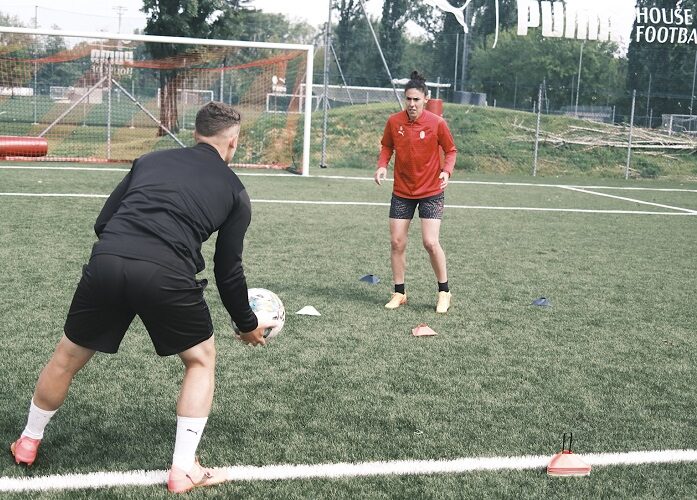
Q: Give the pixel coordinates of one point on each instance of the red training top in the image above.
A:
(417, 162)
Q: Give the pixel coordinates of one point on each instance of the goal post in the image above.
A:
(98, 96)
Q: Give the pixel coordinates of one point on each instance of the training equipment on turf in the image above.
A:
(370, 278)
(24, 450)
(22, 146)
(542, 302)
(113, 97)
(422, 330)
(435, 106)
(565, 463)
(267, 306)
(308, 311)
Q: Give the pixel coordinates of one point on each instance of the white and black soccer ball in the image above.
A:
(267, 306)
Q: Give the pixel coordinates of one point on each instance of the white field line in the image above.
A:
(88, 169)
(478, 207)
(355, 178)
(633, 200)
(340, 470)
(376, 204)
(56, 195)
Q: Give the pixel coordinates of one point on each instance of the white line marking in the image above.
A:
(377, 204)
(579, 190)
(341, 470)
(57, 195)
(355, 178)
(89, 169)
(475, 207)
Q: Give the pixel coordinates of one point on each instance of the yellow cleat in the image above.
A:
(443, 302)
(398, 299)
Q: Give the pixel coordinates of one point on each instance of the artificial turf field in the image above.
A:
(613, 359)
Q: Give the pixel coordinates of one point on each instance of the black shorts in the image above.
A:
(114, 289)
(429, 208)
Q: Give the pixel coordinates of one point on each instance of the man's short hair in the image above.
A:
(215, 117)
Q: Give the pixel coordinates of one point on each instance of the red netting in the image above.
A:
(111, 100)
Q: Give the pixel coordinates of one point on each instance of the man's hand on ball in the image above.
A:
(256, 336)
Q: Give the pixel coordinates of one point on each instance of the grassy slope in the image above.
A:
(488, 142)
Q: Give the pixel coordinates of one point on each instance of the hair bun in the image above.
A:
(416, 76)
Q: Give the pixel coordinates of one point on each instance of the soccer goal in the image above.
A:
(111, 97)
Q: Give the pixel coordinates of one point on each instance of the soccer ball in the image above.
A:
(266, 305)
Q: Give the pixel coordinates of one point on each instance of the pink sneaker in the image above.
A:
(180, 481)
(25, 449)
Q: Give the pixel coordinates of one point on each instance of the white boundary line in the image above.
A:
(88, 169)
(377, 204)
(579, 190)
(56, 195)
(344, 177)
(340, 470)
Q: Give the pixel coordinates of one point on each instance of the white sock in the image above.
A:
(36, 421)
(189, 431)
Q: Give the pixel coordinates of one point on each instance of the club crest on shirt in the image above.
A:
(422, 135)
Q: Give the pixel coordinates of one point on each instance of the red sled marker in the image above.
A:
(565, 463)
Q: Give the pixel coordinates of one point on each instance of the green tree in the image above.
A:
(62, 74)
(185, 18)
(391, 36)
(354, 45)
(484, 15)
(512, 72)
(258, 26)
(663, 69)
(14, 46)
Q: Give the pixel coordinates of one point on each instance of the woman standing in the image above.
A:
(416, 136)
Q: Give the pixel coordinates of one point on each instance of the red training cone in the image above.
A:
(565, 463)
(422, 330)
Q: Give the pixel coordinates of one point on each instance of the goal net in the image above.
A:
(108, 97)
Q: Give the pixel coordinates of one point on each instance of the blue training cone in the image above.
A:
(370, 278)
(542, 302)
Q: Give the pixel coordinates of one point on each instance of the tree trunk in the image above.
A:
(168, 102)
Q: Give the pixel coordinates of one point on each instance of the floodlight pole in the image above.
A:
(109, 109)
(325, 101)
(578, 84)
(36, 67)
(537, 129)
(692, 95)
(457, 55)
(648, 99)
(631, 131)
(465, 48)
(382, 56)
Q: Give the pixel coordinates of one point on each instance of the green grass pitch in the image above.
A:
(613, 359)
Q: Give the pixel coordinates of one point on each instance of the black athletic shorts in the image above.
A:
(429, 208)
(114, 289)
